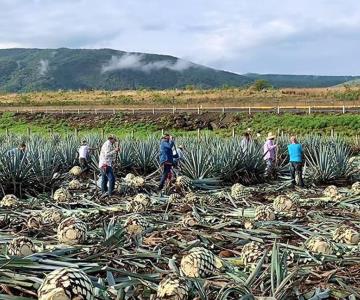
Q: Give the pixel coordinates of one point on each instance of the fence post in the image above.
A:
(332, 132)
(7, 131)
(78, 111)
(233, 132)
(133, 111)
(223, 110)
(198, 133)
(198, 110)
(114, 112)
(162, 132)
(132, 133)
(309, 110)
(174, 109)
(343, 110)
(95, 111)
(249, 110)
(278, 110)
(153, 110)
(76, 132)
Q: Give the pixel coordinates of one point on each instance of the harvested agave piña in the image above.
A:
(238, 191)
(284, 205)
(319, 244)
(21, 246)
(332, 192)
(264, 213)
(52, 215)
(75, 171)
(72, 231)
(66, 284)
(74, 185)
(173, 287)
(34, 222)
(200, 262)
(9, 201)
(346, 235)
(251, 253)
(355, 188)
(139, 203)
(135, 224)
(62, 195)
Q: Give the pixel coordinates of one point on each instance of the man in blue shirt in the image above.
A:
(166, 157)
(296, 160)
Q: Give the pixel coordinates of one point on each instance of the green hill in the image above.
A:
(301, 81)
(52, 69)
(24, 70)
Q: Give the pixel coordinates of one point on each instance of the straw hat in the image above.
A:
(271, 136)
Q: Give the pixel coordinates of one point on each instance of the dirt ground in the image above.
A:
(185, 121)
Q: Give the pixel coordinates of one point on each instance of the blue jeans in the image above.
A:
(107, 177)
(165, 174)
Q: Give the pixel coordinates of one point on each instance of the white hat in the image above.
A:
(271, 136)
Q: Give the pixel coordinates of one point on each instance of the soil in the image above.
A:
(185, 121)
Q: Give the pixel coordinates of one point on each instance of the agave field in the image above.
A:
(220, 230)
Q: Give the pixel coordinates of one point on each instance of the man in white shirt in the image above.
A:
(106, 159)
(84, 155)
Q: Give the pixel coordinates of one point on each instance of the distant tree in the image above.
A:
(261, 84)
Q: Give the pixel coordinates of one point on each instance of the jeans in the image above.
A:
(107, 177)
(296, 168)
(165, 174)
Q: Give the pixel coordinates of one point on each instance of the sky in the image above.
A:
(318, 37)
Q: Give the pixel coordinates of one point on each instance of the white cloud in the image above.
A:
(43, 67)
(240, 36)
(136, 62)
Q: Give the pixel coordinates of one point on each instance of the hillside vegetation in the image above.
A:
(26, 70)
(23, 70)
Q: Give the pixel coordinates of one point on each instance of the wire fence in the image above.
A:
(200, 109)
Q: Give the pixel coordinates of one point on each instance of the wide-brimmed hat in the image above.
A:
(271, 136)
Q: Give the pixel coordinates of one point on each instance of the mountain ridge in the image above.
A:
(34, 69)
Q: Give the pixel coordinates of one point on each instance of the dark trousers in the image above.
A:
(166, 171)
(107, 176)
(296, 168)
(84, 165)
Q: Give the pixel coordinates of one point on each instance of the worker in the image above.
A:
(296, 161)
(21, 150)
(84, 156)
(166, 157)
(178, 155)
(106, 159)
(270, 153)
(246, 141)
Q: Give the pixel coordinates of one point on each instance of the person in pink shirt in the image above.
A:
(269, 153)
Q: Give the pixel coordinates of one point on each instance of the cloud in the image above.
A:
(240, 36)
(43, 67)
(136, 62)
